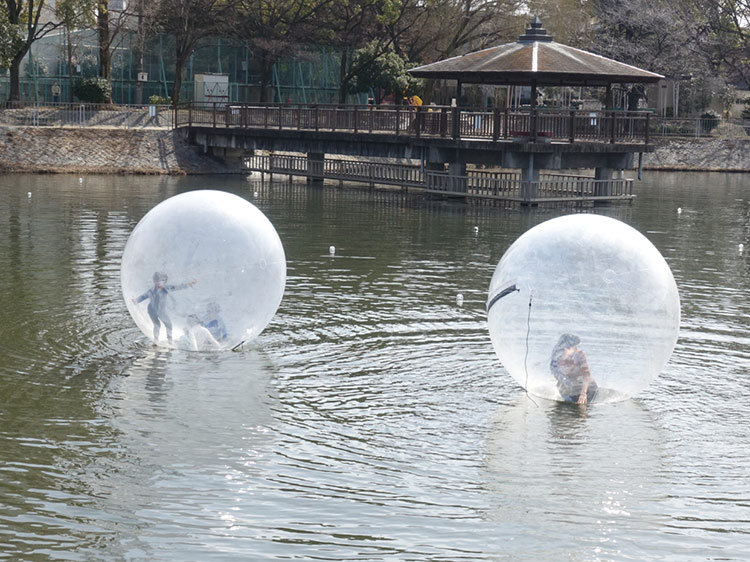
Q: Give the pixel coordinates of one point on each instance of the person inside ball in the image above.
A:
(214, 322)
(198, 337)
(571, 370)
(157, 302)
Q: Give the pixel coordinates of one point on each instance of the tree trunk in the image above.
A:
(179, 64)
(15, 74)
(70, 64)
(102, 21)
(266, 67)
(343, 81)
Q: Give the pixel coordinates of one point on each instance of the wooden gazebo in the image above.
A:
(535, 60)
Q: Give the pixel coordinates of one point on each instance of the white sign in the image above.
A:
(143, 77)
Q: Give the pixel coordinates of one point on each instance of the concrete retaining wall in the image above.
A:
(109, 151)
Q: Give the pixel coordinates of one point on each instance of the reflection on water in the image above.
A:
(586, 479)
(371, 420)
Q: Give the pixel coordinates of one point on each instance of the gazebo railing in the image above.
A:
(539, 125)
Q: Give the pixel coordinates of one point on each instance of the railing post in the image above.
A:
(495, 124)
(418, 120)
(265, 116)
(372, 116)
(281, 114)
(315, 114)
(506, 132)
(648, 118)
(613, 116)
(214, 114)
(190, 114)
(398, 119)
(456, 123)
(356, 124)
(572, 136)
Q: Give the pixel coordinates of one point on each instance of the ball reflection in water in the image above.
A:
(203, 270)
(583, 308)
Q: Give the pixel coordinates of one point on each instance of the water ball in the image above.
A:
(203, 270)
(583, 308)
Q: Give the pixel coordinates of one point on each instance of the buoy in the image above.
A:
(459, 299)
(476, 229)
(679, 210)
(332, 250)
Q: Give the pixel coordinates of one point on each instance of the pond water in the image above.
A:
(371, 420)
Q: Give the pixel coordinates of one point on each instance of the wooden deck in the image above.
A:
(540, 125)
(501, 186)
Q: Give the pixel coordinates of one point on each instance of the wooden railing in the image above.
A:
(476, 183)
(539, 125)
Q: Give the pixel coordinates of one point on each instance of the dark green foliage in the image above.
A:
(93, 90)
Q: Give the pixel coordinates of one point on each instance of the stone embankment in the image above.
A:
(102, 151)
(162, 151)
(715, 154)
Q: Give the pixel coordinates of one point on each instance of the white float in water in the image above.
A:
(679, 210)
(598, 280)
(476, 229)
(203, 270)
(459, 299)
(332, 250)
(741, 248)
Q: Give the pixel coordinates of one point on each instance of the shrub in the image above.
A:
(709, 122)
(93, 90)
(746, 109)
(159, 100)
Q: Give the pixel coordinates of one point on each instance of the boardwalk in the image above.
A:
(502, 186)
(540, 125)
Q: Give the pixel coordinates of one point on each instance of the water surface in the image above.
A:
(371, 420)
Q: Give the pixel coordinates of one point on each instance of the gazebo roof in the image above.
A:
(535, 59)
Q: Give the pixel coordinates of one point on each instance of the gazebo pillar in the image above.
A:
(532, 115)
(529, 180)
(457, 175)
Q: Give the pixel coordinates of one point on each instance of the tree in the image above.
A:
(73, 14)
(386, 74)
(571, 22)
(274, 28)
(352, 24)
(651, 34)
(725, 35)
(189, 21)
(9, 38)
(432, 30)
(23, 18)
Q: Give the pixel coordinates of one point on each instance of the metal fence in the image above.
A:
(86, 115)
